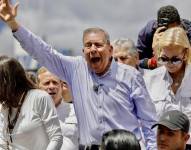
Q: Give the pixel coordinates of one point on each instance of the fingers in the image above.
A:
(7, 17)
(15, 9)
(160, 29)
(5, 2)
(2, 6)
(2, 16)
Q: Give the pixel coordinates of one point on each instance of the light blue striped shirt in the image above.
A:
(118, 99)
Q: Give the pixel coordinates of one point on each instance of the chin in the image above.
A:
(163, 147)
(172, 69)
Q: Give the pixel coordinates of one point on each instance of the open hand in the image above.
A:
(8, 12)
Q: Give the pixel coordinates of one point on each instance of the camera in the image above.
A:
(163, 22)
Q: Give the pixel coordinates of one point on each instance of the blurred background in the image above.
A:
(61, 22)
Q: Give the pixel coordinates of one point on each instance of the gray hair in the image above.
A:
(126, 45)
(97, 30)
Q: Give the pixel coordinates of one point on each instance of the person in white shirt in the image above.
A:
(169, 84)
(60, 92)
(28, 118)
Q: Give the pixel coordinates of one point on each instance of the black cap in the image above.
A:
(167, 15)
(174, 120)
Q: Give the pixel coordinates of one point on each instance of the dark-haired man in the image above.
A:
(167, 16)
(173, 131)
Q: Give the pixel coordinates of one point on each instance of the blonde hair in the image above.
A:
(40, 71)
(175, 36)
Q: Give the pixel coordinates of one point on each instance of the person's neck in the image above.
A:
(57, 104)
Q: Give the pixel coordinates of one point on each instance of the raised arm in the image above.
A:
(62, 66)
(8, 13)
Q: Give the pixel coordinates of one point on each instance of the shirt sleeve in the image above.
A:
(3, 129)
(57, 63)
(145, 110)
(47, 112)
(145, 39)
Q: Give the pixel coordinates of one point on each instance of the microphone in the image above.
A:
(96, 88)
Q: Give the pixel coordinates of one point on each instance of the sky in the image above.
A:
(61, 22)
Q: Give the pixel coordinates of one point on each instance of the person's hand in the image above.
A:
(158, 33)
(8, 13)
(66, 93)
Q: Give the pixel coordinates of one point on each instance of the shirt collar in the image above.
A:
(185, 87)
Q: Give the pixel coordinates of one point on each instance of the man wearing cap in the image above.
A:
(167, 17)
(173, 131)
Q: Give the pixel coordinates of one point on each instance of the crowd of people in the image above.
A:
(110, 99)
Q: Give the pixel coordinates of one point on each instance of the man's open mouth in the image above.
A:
(95, 59)
(52, 93)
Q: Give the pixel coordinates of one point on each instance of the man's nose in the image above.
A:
(162, 137)
(51, 86)
(93, 48)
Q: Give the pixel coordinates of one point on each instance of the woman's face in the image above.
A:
(173, 58)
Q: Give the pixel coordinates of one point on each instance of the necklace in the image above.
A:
(11, 124)
(176, 83)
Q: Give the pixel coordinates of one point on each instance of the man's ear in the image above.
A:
(111, 49)
(187, 136)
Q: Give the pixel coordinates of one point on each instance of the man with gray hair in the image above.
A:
(124, 51)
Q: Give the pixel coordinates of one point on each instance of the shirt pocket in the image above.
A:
(163, 103)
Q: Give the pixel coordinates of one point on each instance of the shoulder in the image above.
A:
(129, 75)
(131, 71)
(38, 96)
(186, 23)
(149, 27)
(154, 77)
(156, 72)
(39, 100)
(37, 93)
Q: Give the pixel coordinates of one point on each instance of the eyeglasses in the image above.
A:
(174, 60)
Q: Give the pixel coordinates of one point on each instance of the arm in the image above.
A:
(3, 128)
(144, 109)
(144, 45)
(47, 112)
(62, 66)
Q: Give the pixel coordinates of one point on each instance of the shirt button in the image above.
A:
(100, 106)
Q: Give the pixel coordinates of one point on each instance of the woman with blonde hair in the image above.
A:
(169, 85)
